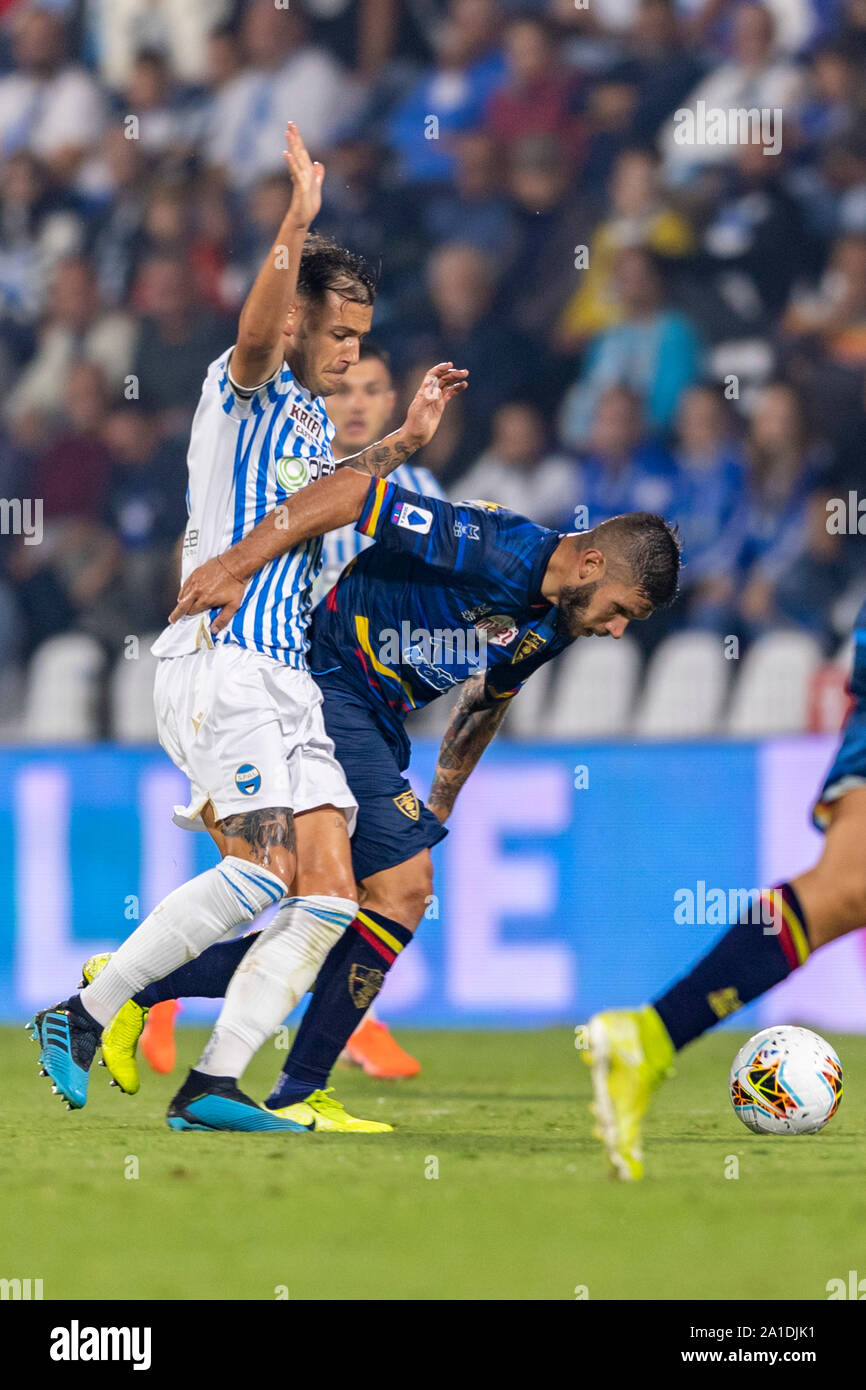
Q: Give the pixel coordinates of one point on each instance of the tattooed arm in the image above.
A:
(471, 727)
(440, 385)
(321, 506)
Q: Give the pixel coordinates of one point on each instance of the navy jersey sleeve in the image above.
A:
(466, 539)
(505, 678)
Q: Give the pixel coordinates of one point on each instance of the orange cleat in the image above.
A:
(373, 1047)
(157, 1040)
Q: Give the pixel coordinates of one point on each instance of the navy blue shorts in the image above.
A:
(393, 825)
(849, 766)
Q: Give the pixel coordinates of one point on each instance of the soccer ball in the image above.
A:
(786, 1081)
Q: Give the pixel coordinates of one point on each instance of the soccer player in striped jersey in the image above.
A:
(468, 594)
(360, 410)
(240, 715)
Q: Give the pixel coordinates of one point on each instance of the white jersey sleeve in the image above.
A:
(248, 452)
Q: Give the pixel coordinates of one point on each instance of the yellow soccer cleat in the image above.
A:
(321, 1111)
(629, 1053)
(120, 1038)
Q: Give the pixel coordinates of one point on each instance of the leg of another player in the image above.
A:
(833, 893)
(353, 974)
(631, 1051)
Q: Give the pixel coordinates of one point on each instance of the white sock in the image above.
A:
(179, 928)
(272, 977)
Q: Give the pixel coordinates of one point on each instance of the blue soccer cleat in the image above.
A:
(216, 1103)
(68, 1045)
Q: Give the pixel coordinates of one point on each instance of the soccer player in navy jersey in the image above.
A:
(631, 1050)
(467, 594)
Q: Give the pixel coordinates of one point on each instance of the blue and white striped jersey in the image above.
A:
(248, 452)
(342, 545)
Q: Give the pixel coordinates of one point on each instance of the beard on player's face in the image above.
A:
(572, 605)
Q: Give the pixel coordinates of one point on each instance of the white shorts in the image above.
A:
(248, 732)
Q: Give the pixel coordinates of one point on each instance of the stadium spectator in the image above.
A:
(710, 498)
(165, 125)
(449, 98)
(37, 228)
(539, 95)
(49, 106)
(754, 246)
(76, 328)
(755, 78)
(551, 220)
(622, 469)
(462, 327)
(654, 349)
(834, 318)
(474, 208)
(518, 470)
(117, 192)
(660, 63)
(144, 508)
(177, 340)
(283, 73)
(181, 30)
(785, 466)
(639, 215)
(71, 473)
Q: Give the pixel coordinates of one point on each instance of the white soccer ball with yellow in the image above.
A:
(786, 1080)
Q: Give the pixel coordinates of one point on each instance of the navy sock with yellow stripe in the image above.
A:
(348, 982)
(769, 940)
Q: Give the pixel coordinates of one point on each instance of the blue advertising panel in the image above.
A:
(574, 877)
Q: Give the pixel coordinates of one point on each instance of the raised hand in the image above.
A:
(440, 385)
(307, 176)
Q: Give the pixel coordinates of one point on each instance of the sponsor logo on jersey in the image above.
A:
(532, 642)
(364, 984)
(248, 779)
(307, 424)
(467, 530)
(469, 615)
(190, 540)
(412, 518)
(437, 676)
(292, 473)
(499, 628)
(407, 802)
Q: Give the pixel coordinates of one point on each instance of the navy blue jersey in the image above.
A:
(446, 591)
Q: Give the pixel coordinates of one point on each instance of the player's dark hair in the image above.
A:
(325, 265)
(379, 354)
(647, 547)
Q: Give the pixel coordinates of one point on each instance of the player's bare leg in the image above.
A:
(630, 1051)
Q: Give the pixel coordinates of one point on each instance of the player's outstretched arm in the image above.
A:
(322, 506)
(472, 725)
(440, 385)
(258, 352)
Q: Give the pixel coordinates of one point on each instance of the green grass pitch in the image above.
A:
(522, 1207)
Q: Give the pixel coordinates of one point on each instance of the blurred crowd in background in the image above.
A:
(705, 357)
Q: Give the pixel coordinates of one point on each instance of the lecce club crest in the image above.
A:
(364, 984)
